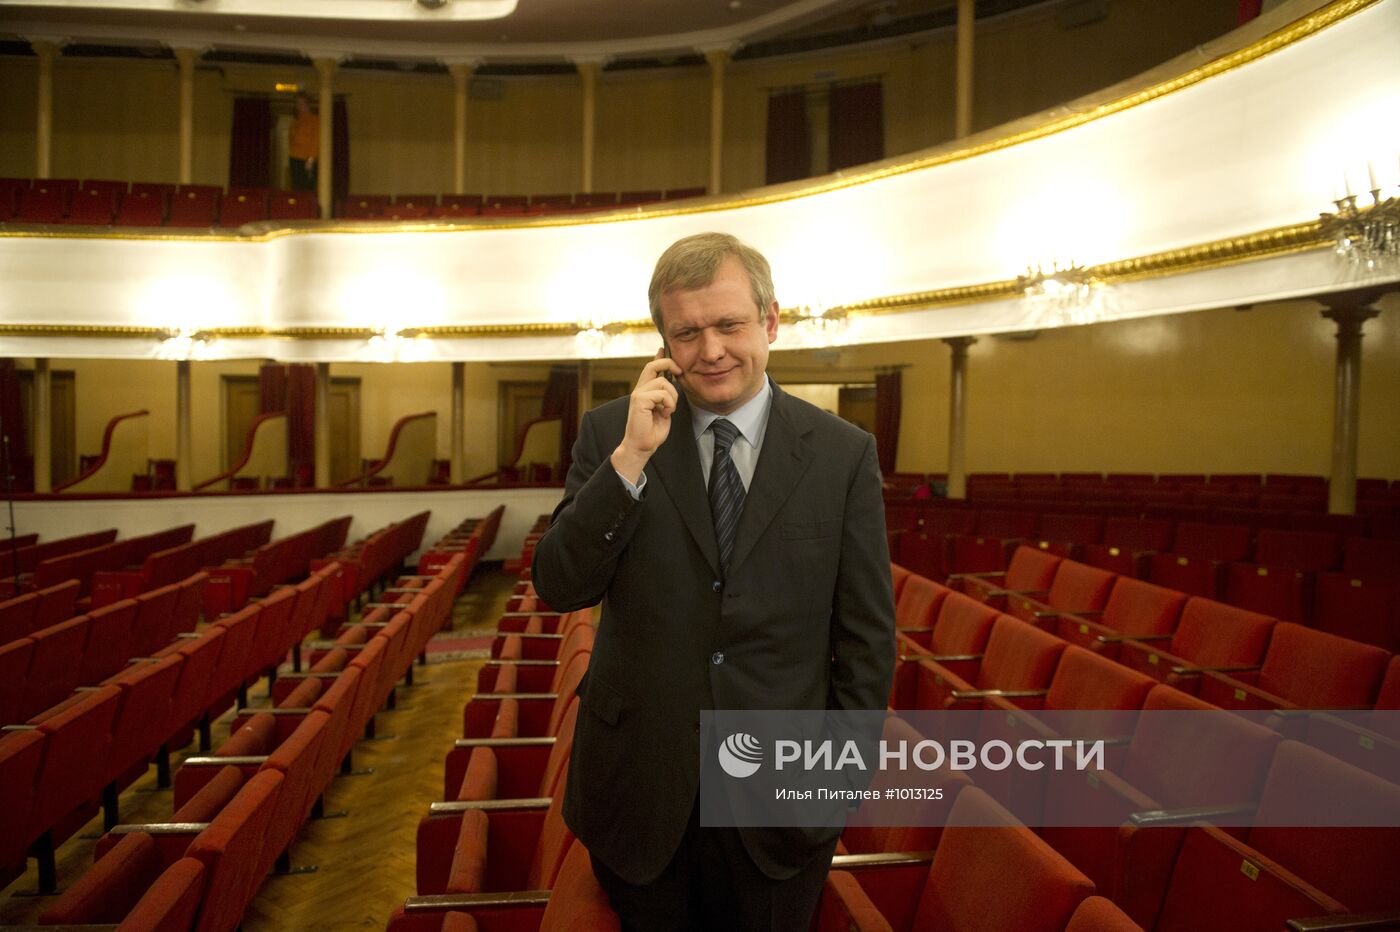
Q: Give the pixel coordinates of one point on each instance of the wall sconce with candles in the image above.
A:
(816, 325)
(1366, 235)
(1066, 293)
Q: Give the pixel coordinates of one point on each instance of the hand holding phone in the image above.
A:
(649, 413)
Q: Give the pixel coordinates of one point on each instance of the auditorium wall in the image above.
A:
(1214, 391)
(116, 118)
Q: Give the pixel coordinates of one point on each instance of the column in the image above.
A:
(585, 387)
(957, 418)
(459, 426)
(717, 58)
(325, 160)
(323, 425)
(461, 76)
(588, 71)
(1350, 313)
(187, 59)
(183, 427)
(43, 427)
(967, 16)
(47, 50)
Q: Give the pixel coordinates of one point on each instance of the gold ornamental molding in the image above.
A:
(1267, 244)
(1294, 32)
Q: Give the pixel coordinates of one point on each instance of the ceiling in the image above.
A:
(462, 30)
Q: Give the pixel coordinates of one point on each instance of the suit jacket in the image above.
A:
(805, 619)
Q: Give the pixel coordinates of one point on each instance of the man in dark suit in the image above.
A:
(736, 538)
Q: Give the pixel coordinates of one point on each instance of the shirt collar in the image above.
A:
(751, 418)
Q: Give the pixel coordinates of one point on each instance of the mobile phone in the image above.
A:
(666, 351)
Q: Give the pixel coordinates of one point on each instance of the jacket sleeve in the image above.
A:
(575, 559)
(862, 620)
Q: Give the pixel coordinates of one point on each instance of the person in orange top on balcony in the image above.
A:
(304, 145)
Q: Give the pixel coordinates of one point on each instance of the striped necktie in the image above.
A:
(726, 489)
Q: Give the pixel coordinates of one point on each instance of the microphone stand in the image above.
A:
(5, 466)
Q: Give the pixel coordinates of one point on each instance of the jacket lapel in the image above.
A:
(677, 464)
(785, 456)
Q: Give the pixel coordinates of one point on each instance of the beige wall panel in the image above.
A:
(528, 142)
(19, 83)
(400, 132)
(653, 130)
(116, 120)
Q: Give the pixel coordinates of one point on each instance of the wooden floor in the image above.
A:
(365, 861)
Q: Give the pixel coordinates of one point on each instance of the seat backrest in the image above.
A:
(1031, 569)
(14, 673)
(153, 626)
(1306, 551)
(898, 577)
(191, 603)
(1164, 759)
(75, 747)
(1018, 656)
(138, 730)
(577, 902)
(169, 904)
(17, 616)
(919, 603)
(1202, 541)
(1099, 914)
(551, 780)
(1141, 609)
(229, 849)
(109, 640)
(56, 664)
(1357, 866)
(1079, 587)
(1213, 634)
(1372, 558)
(1076, 529)
(56, 603)
(991, 872)
(240, 628)
(963, 626)
(1085, 680)
(201, 660)
(275, 634)
(296, 758)
(555, 839)
(568, 687)
(1317, 670)
(1135, 534)
(1006, 524)
(20, 756)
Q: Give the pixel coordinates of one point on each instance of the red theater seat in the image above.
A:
(1077, 588)
(1210, 635)
(1135, 610)
(1125, 540)
(1018, 663)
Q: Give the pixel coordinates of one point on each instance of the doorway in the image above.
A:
(243, 403)
(63, 420)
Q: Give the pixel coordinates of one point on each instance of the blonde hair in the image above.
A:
(693, 262)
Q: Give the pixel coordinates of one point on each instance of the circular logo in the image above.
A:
(740, 755)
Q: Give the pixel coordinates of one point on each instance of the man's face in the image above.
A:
(716, 337)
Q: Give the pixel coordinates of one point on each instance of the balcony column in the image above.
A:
(325, 157)
(322, 418)
(43, 427)
(187, 58)
(585, 387)
(184, 431)
(718, 59)
(1350, 312)
(461, 78)
(459, 427)
(967, 17)
(47, 52)
(957, 417)
(588, 69)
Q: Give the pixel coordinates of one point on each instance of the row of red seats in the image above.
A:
(40, 669)
(370, 562)
(1238, 482)
(82, 564)
(30, 555)
(499, 827)
(253, 574)
(164, 566)
(285, 756)
(406, 206)
(968, 655)
(106, 203)
(34, 611)
(1347, 586)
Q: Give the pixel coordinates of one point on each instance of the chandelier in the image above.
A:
(1367, 236)
(1065, 293)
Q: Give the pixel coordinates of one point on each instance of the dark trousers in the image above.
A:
(712, 883)
(303, 178)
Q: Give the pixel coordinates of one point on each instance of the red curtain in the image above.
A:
(272, 380)
(16, 457)
(561, 401)
(789, 140)
(340, 148)
(857, 125)
(1248, 10)
(888, 401)
(250, 143)
(301, 423)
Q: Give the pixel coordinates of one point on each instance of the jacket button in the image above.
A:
(717, 657)
(717, 585)
(608, 536)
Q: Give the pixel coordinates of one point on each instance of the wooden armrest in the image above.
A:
(922, 629)
(949, 658)
(489, 805)
(452, 902)
(290, 710)
(1017, 592)
(846, 862)
(1197, 671)
(1187, 816)
(161, 828)
(232, 761)
(522, 663)
(498, 696)
(399, 605)
(19, 728)
(1120, 638)
(418, 576)
(504, 742)
(397, 589)
(530, 614)
(1388, 919)
(323, 675)
(1004, 693)
(976, 575)
(189, 634)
